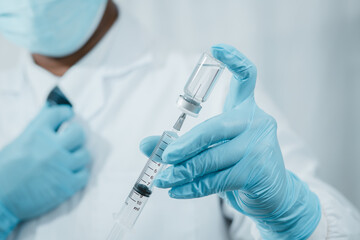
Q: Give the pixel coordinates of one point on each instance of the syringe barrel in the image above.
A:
(132, 209)
(142, 189)
(154, 166)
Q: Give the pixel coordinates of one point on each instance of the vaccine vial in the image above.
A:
(200, 84)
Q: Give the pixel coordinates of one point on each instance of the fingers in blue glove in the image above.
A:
(197, 157)
(73, 137)
(214, 159)
(213, 131)
(202, 187)
(78, 160)
(243, 83)
(54, 116)
(222, 180)
(81, 178)
(74, 181)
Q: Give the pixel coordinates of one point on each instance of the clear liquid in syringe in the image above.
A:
(143, 186)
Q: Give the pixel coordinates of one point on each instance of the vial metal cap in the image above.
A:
(188, 106)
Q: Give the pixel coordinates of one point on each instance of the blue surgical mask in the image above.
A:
(53, 28)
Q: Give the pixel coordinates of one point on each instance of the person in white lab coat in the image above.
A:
(99, 57)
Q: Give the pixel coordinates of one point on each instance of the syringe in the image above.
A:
(196, 91)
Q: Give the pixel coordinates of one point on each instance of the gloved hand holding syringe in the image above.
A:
(196, 91)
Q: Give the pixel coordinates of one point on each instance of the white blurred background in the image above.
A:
(308, 57)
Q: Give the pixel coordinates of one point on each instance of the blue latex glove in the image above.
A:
(41, 168)
(237, 155)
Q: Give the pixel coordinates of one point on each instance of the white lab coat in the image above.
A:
(122, 93)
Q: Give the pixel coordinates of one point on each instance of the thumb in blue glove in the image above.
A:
(237, 155)
(42, 167)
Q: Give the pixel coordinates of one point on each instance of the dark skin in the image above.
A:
(59, 66)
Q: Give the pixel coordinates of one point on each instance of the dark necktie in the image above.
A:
(57, 97)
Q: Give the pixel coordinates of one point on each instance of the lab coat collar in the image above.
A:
(122, 49)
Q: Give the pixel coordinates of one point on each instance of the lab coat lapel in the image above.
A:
(85, 89)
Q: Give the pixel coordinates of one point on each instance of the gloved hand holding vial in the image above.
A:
(237, 155)
(196, 91)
